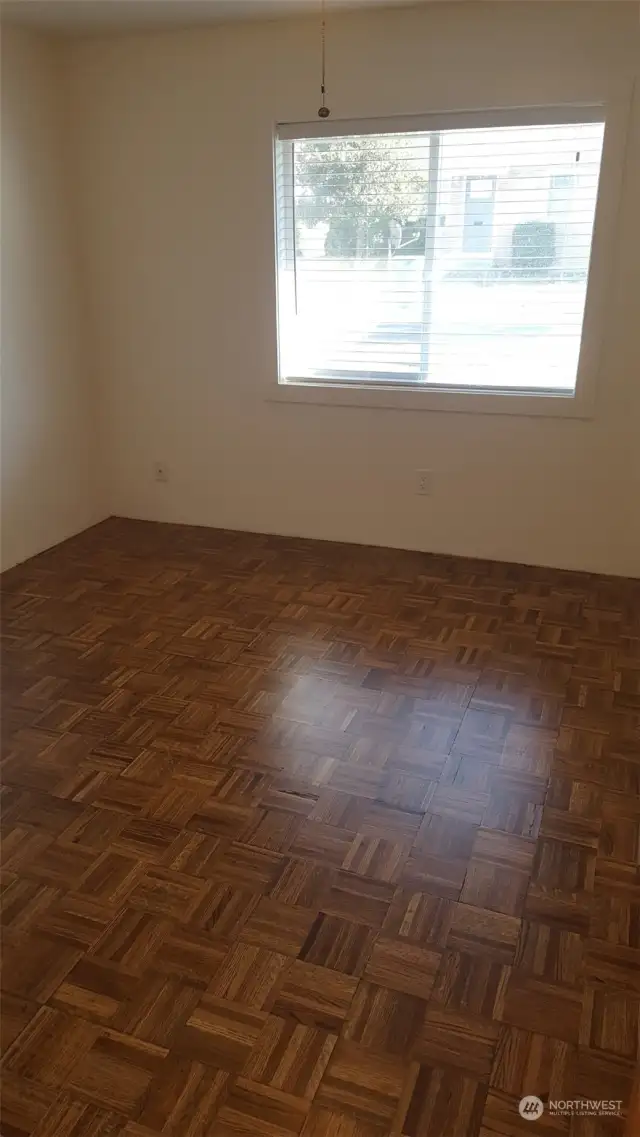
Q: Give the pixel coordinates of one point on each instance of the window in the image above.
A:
(445, 254)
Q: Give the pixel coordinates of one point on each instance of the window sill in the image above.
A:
(428, 399)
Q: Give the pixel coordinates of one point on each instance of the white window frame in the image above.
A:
(396, 396)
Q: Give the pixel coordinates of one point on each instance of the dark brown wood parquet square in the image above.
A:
(310, 839)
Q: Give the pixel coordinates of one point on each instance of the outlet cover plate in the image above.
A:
(424, 482)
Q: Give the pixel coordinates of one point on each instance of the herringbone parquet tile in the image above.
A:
(308, 839)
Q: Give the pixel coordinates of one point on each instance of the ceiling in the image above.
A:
(77, 16)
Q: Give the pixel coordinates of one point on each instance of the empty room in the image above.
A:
(320, 568)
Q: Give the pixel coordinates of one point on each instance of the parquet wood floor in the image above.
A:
(301, 838)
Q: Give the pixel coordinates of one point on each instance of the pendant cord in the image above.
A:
(324, 51)
(324, 111)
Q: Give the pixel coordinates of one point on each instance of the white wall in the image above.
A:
(48, 486)
(175, 137)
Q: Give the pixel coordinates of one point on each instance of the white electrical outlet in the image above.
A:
(161, 472)
(424, 482)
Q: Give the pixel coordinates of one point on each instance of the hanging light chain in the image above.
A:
(324, 111)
